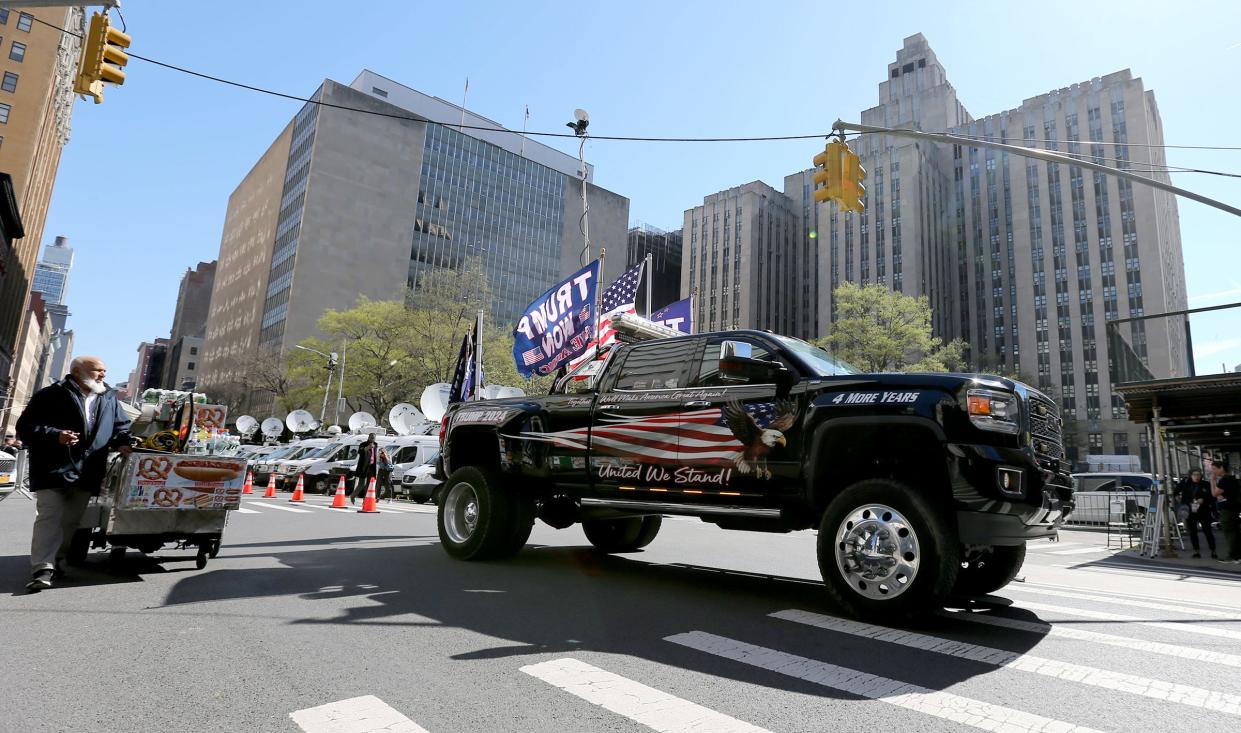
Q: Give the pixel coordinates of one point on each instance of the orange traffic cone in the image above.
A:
(368, 504)
(271, 487)
(248, 486)
(338, 501)
(298, 491)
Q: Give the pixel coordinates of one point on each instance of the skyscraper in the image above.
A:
(51, 274)
(347, 203)
(1022, 259)
(664, 279)
(51, 280)
(189, 324)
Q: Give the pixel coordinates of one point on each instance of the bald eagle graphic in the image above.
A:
(757, 442)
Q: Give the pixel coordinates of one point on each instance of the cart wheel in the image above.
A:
(116, 555)
(201, 560)
(215, 549)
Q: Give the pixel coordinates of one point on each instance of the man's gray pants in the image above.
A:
(57, 514)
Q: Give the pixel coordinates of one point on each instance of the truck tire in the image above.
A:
(479, 519)
(622, 535)
(992, 571)
(886, 553)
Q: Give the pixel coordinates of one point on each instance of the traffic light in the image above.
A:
(831, 162)
(103, 57)
(852, 188)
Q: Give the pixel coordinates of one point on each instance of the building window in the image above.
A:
(24, 21)
(18, 51)
(189, 366)
(379, 92)
(193, 351)
(4, 113)
(4, 16)
(10, 82)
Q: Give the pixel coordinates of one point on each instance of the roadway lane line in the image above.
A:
(1182, 628)
(1125, 597)
(281, 508)
(648, 706)
(243, 510)
(366, 714)
(945, 705)
(1197, 697)
(1170, 608)
(1082, 551)
(1123, 642)
(1050, 546)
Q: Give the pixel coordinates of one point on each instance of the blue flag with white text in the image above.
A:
(678, 315)
(558, 325)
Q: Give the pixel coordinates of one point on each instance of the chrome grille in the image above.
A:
(1046, 433)
(7, 465)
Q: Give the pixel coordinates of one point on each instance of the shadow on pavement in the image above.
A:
(563, 600)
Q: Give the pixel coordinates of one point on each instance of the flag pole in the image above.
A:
(603, 253)
(525, 121)
(478, 356)
(692, 319)
(646, 275)
(464, 96)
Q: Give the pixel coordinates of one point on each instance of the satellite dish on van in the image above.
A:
(246, 425)
(359, 420)
(272, 427)
(405, 418)
(301, 421)
(499, 392)
(333, 430)
(434, 401)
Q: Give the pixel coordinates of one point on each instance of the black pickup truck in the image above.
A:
(920, 485)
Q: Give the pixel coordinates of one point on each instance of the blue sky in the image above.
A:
(145, 179)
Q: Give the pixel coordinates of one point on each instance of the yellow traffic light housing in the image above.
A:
(852, 188)
(103, 58)
(832, 164)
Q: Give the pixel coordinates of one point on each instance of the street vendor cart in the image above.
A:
(175, 487)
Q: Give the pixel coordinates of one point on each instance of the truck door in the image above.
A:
(637, 421)
(752, 450)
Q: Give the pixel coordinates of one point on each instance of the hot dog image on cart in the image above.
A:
(177, 486)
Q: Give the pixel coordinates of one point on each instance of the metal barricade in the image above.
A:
(1119, 513)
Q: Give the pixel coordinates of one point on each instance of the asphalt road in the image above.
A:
(319, 620)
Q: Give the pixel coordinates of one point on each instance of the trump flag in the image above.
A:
(558, 325)
(678, 315)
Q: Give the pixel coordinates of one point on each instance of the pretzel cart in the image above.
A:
(175, 487)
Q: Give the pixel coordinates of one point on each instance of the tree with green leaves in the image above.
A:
(881, 330)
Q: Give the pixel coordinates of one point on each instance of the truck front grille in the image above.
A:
(1046, 434)
(7, 465)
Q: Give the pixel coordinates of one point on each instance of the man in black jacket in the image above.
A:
(1227, 492)
(1195, 494)
(68, 429)
(368, 467)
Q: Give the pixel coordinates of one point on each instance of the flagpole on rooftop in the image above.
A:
(464, 96)
(646, 275)
(524, 122)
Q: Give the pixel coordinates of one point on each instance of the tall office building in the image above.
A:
(51, 280)
(189, 325)
(51, 274)
(1022, 259)
(347, 203)
(741, 262)
(148, 369)
(664, 278)
(37, 66)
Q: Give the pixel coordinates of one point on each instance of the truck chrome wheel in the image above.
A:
(877, 551)
(461, 512)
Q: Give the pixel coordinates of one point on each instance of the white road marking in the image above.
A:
(943, 705)
(1120, 595)
(1050, 546)
(1168, 607)
(281, 508)
(1092, 676)
(653, 708)
(366, 714)
(1123, 642)
(1183, 628)
(243, 510)
(1082, 551)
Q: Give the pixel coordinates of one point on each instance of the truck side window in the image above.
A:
(659, 365)
(709, 370)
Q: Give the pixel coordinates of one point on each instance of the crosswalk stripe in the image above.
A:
(1082, 551)
(1050, 546)
(945, 705)
(1123, 642)
(1183, 628)
(1125, 597)
(1171, 608)
(243, 510)
(1092, 676)
(653, 708)
(281, 508)
(355, 715)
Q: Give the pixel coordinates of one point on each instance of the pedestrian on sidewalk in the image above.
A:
(68, 428)
(1227, 493)
(368, 467)
(1195, 495)
(384, 476)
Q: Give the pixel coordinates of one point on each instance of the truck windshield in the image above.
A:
(817, 360)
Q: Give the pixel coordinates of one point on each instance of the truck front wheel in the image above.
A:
(479, 519)
(990, 571)
(622, 535)
(885, 553)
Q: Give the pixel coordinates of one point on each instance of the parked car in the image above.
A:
(8, 474)
(287, 468)
(263, 467)
(1114, 496)
(419, 482)
(402, 450)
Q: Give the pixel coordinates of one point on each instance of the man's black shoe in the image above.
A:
(41, 580)
(58, 572)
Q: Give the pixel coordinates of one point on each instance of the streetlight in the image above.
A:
(331, 369)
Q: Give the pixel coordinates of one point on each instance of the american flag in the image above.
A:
(700, 437)
(618, 298)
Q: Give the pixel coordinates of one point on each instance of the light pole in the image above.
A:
(331, 369)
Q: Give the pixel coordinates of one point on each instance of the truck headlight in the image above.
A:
(995, 411)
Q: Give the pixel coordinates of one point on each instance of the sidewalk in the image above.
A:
(1182, 562)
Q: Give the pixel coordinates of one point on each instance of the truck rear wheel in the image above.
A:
(990, 571)
(622, 535)
(479, 519)
(885, 552)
